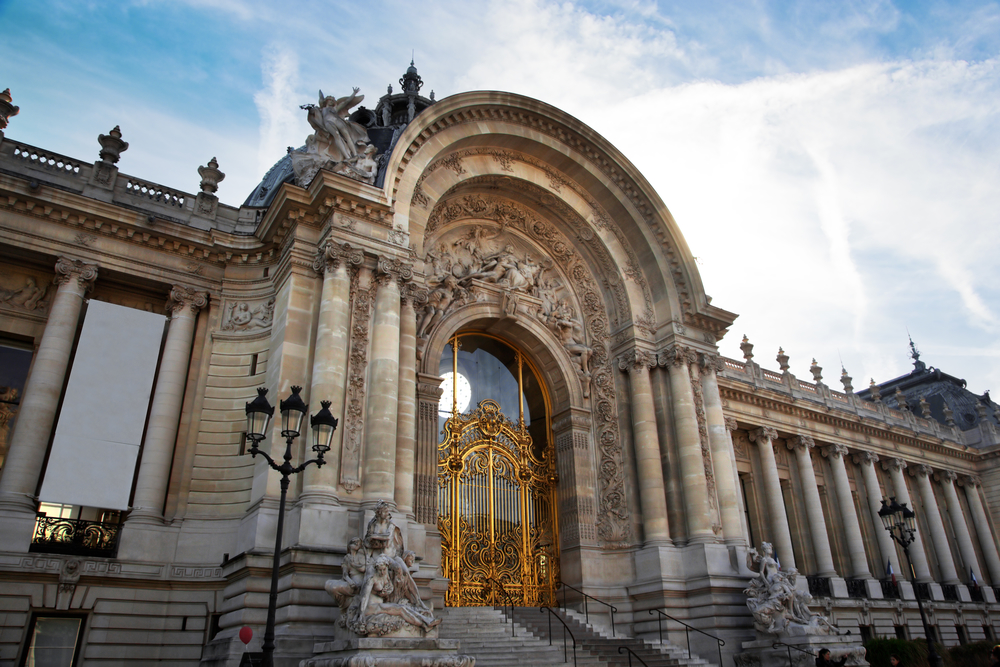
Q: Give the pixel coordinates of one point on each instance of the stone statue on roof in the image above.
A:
(337, 143)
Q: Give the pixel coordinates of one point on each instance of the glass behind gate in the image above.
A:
(496, 478)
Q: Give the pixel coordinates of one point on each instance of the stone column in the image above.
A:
(40, 401)
(329, 374)
(782, 538)
(946, 563)
(982, 523)
(723, 459)
(647, 446)
(965, 545)
(802, 445)
(886, 547)
(918, 556)
(406, 414)
(165, 412)
(848, 512)
(732, 425)
(379, 478)
(697, 508)
(428, 436)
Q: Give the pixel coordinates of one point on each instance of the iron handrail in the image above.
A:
(687, 632)
(496, 585)
(586, 612)
(630, 654)
(565, 630)
(790, 647)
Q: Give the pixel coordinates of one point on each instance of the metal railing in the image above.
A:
(856, 588)
(950, 592)
(890, 590)
(790, 647)
(586, 611)
(922, 590)
(819, 586)
(496, 585)
(687, 632)
(630, 654)
(565, 630)
(75, 537)
(976, 593)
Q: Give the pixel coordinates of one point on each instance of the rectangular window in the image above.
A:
(963, 634)
(901, 632)
(988, 631)
(53, 641)
(866, 633)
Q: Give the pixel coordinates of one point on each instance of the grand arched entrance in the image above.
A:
(496, 476)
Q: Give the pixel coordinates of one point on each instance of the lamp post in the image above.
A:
(901, 522)
(259, 413)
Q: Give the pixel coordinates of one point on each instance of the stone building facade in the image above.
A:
(481, 223)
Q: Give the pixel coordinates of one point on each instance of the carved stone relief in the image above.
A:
(247, 315)
(362, 298)
(24, 292)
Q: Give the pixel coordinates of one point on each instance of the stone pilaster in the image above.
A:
(698, 509)
(918, 556)
(406, 414)
(427, 436)
(848, 513)
(26, 452)
(962, 534)
(723, 458)
(379, 477)
(780, 535)
(165, 412)
(946, 564)
(987, 544)
(647, 448)
(803, 445)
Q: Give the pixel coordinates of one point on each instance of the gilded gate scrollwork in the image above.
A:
(497, 498)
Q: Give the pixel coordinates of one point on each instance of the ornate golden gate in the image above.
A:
(496, 500)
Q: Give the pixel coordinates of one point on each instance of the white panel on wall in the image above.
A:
(97, 439)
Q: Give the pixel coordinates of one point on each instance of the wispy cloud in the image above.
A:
(281, 123)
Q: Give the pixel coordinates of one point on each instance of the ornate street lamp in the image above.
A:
(901, 522)
(259, 413)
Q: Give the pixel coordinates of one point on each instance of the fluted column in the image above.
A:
(40, 401)
(939, 538)
(848, 512)
(329, 374)
(723, 459)
(732, 425)
(697, 508)
(982, 523)
(918, 557)
(886, 547)
(383, 402)
(802, 446)
(406, 415)
(647, 447)
(780, 535)
(965, 546)
(165, 413)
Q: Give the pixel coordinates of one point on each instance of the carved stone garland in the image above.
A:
(706, 450)
(613, 525)
(362, 298)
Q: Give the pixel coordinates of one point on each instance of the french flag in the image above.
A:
(975, 584)
(889, 573)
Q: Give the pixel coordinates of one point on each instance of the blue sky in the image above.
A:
(835, 166)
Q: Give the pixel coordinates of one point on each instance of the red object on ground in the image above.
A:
(246, 634)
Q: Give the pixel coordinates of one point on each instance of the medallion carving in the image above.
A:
(247, 315)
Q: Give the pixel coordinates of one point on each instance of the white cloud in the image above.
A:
(281, 123)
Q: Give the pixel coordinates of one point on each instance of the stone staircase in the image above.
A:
(485, 633)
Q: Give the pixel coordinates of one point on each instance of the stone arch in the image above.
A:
(516, 133)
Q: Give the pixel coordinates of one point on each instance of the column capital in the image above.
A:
(762, 434)
(893, 464)
(921, 470)
(711, 362)
(800, 442)
(731, 424)
(412, 294)
(969, 480)
(330, 255)
(186, 297)
(835, 451)
(677, 355)
(947, 475)
(633, 360)
(68, 269)
(865, 457)
(388, 269)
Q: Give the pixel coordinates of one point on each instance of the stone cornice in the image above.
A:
(852, 424)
